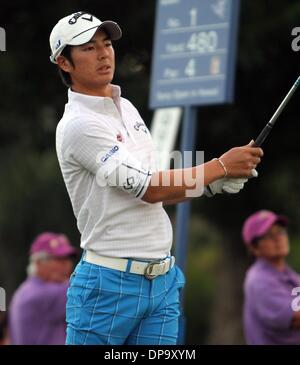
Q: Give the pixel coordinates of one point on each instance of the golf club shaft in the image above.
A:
(267, 129)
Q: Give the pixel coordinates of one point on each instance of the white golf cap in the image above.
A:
(77, 29)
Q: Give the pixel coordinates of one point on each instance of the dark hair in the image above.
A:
(65, 76)
(254, 243)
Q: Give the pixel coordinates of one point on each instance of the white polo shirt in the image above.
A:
(100, 140)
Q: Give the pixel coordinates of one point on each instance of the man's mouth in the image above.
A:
(104, 68)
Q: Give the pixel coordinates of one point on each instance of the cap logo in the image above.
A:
(58, 43)
(76, 16)
(63, 240)
(54, 243)
(263, 214)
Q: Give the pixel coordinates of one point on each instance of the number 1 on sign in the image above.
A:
(194, 14)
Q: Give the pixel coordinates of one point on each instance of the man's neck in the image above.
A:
(279, 263)
(105, 91)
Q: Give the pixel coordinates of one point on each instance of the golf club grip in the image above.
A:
(263, 135)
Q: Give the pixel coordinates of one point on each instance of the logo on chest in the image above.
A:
(120, 138)
(140, 126)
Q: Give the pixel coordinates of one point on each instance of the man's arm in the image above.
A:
(238, 162)
(91, 145)
(172, 185)
(176, 201)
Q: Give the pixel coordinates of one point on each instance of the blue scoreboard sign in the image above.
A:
(194, 52)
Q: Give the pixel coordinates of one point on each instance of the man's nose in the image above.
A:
(102, 53)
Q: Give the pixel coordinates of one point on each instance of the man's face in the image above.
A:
(94, 63)
(55, 269)
(274, 244)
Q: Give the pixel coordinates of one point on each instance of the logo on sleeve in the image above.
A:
(109, 154)
(129, 183)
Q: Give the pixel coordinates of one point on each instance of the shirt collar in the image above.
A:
(35, 279)
(287, 274)
(95, 103)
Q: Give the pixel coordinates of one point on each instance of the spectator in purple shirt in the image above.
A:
(38, 308)
(269, 318)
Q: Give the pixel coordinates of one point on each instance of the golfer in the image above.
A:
(125, 289)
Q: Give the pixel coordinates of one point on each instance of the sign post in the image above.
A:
(164, 130)
(187, 143)
(193, 65)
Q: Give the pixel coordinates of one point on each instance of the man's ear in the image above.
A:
(254, 250)
(64, 64)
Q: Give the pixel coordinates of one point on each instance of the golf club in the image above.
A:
(267, 129)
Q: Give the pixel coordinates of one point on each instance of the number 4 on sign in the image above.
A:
(190, 69)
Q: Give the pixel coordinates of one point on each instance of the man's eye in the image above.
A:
(88, 48)
(108, 44)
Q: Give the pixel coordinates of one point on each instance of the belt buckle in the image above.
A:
(148, 270)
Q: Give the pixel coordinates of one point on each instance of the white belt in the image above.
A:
(150, 269)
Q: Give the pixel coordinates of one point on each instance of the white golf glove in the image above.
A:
(227, 185)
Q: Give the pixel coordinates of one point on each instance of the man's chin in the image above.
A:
(280, 255)
(105, 82)
(59, 280)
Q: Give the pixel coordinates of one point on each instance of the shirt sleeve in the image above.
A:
(274, 306)
(94, 146)
(48, 304)
(55, 300)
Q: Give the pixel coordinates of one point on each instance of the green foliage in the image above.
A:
(200, 293)
(33, 199)
(294, 257)
(201, 281)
